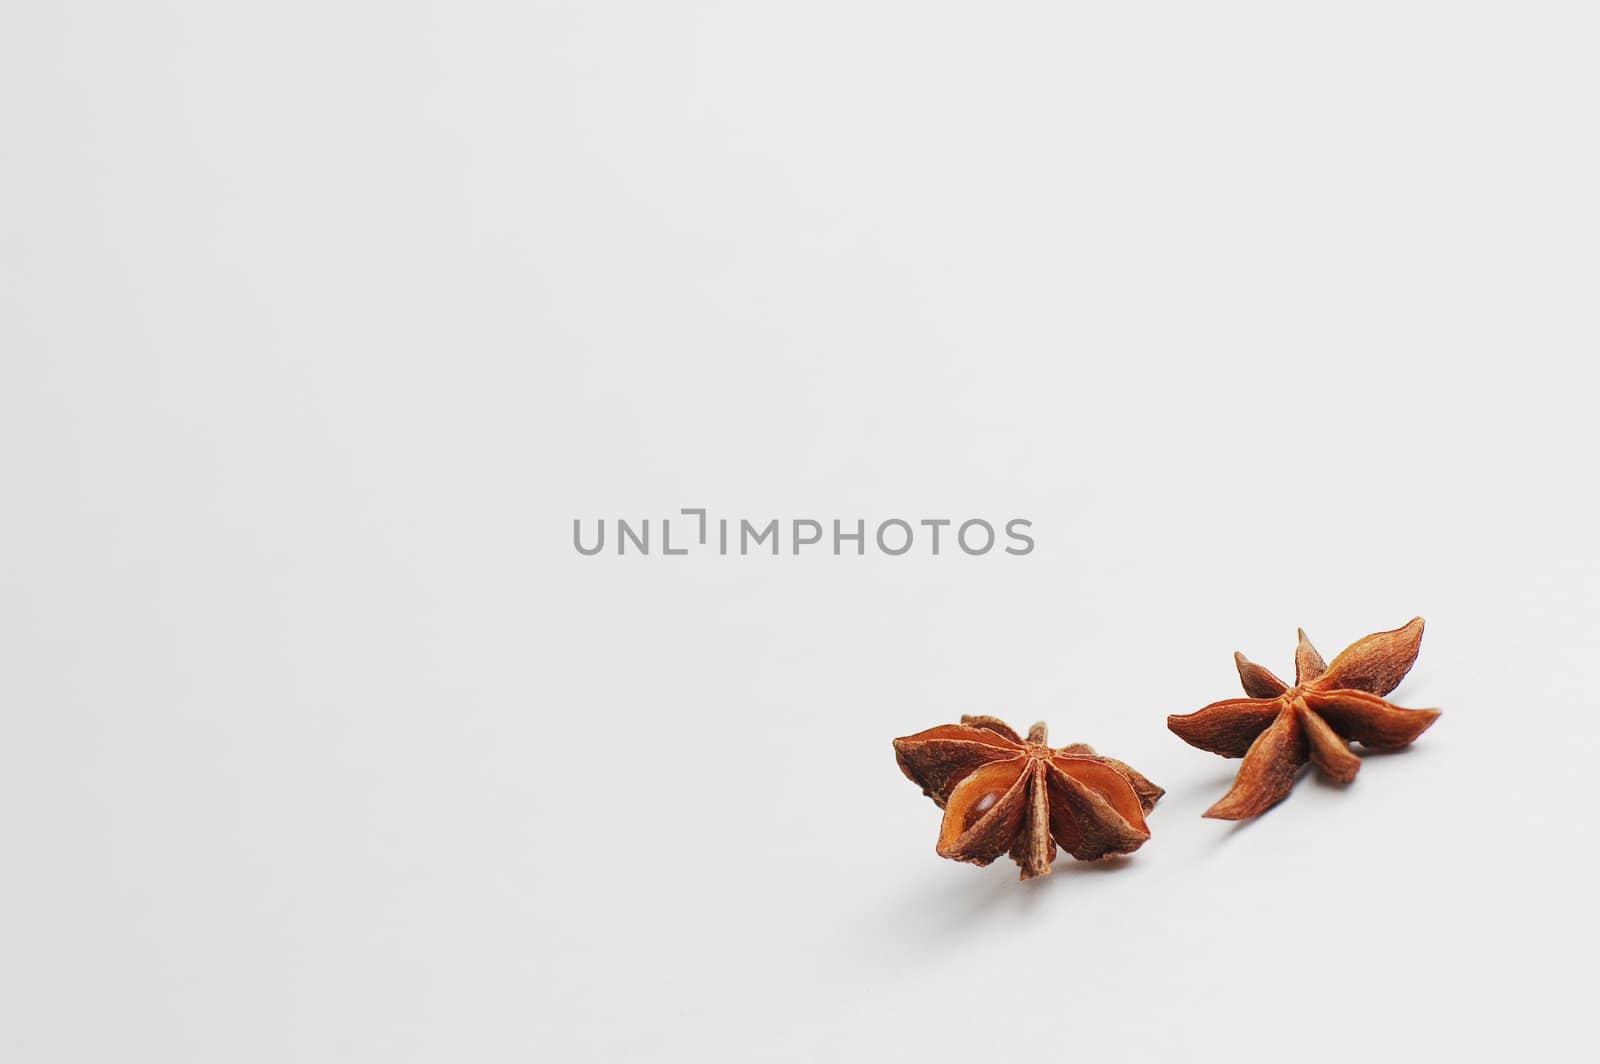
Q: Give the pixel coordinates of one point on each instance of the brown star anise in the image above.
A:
(1278, 728)
(1002, 793)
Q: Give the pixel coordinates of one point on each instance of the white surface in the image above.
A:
(320, 326)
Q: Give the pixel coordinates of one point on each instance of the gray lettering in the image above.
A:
(599, 543)
(666, 539)
(805, 532)
(702, 515)
(884, 546)
(961, 536)
(806, 541)
(1011, 530)
(746, 528)
(624, 533)
(860, 536)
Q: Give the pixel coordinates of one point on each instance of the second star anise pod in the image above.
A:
(1002, 793)
(1278, 728)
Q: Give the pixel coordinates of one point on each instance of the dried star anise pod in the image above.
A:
(1001, 793)
(1278, 728)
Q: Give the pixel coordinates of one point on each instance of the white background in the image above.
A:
(321, 322)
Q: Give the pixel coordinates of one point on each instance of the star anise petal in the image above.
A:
(1259, 682)
(1110, 784)
(1227, 727)
(1329, 752)
(1368, 719)
(985, 812)
(1034, 850)
(1376, 663)
(1267, 772)
(1090, 815)
(939, 758)
(1308, 664)
(1149, 793)
(994, 724)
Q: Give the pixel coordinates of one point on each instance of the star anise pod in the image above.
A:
(1001, 793)
(1278, 728)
